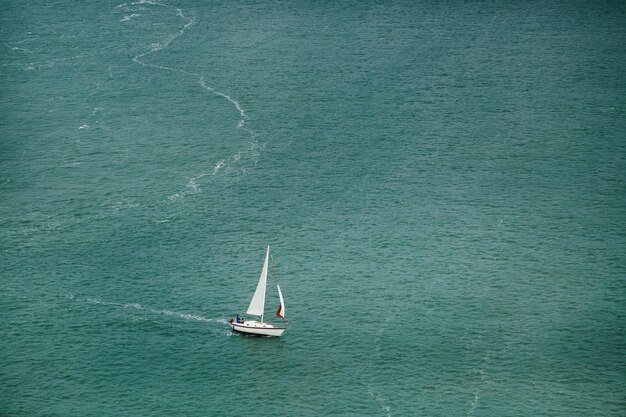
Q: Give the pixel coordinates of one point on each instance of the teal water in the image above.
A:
(442, 184)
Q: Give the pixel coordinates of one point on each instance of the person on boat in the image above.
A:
(239, 319)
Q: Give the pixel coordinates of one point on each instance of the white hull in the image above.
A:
(258, 328)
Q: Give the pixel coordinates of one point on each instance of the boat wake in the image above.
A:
(250, 152)
(147, 310)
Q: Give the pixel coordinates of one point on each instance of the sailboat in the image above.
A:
(257, 308)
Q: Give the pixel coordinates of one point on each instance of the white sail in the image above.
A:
(257, 305)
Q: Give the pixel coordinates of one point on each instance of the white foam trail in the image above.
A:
(482, 373)
(193, 184)
(157, 46)
(474, 403)
(24, 50)
(36, 65)
(384, 403)
(234, 102)
(137, 306)
(185, 316)
(130, 16)
(382, 400)
(217, 167)
(127, 204)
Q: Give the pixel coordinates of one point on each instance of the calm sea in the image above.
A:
(442, 184)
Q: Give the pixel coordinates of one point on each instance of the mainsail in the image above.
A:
(257, 305)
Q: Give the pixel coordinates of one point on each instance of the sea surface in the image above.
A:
(442, 183)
